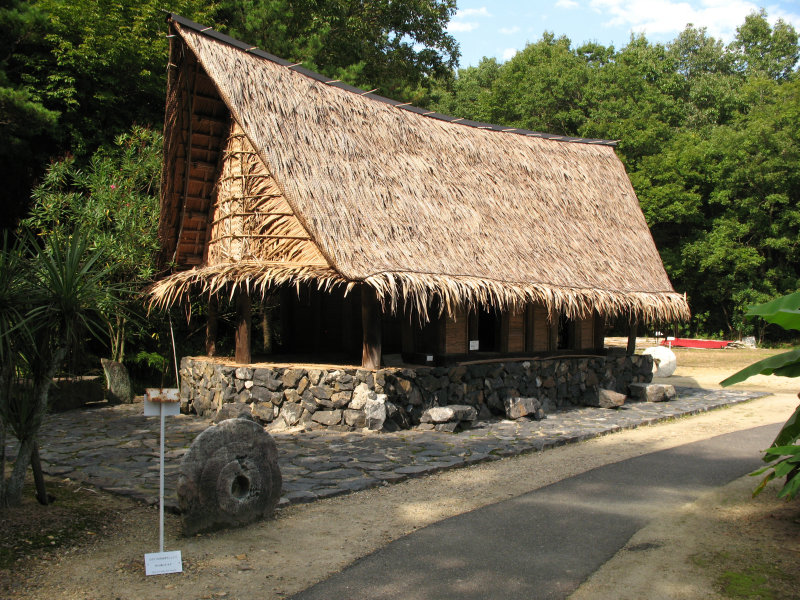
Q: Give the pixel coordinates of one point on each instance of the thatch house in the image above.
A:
(391, 227)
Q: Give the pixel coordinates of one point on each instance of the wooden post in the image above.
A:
(211, 326)
(553, 322)
(634, 325)
(371, 324)
(599, 331)
(243, 328)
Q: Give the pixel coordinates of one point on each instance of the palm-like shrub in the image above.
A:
(51, 298)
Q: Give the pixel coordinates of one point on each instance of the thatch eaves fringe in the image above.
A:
(418, 291)
(253, 276)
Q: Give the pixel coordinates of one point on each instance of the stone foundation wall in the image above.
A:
(337, 397)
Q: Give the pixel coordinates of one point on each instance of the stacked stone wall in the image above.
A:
(337, 397)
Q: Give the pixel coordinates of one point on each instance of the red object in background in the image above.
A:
(687, 343)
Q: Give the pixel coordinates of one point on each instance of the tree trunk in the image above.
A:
(17, 478)
(41, 391)
(2, 464)
(38, 475)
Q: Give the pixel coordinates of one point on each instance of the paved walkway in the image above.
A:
(543, 544)
(116, 448)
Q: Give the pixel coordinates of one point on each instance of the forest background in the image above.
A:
(707, 131)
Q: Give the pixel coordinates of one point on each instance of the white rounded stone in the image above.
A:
(664, 361)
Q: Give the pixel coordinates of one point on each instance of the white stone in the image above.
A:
(375, 412)
(664, 361)
(361, 395)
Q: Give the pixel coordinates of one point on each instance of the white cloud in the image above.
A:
(509, 30)
(461, 26)
(509, 53)
(669, 17)
(473, 12)
(566, 4)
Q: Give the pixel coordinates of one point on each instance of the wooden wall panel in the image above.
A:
(455, 339)
(516, 332)
(541, 330)
(585, 335)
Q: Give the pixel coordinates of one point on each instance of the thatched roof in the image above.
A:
(360, 189)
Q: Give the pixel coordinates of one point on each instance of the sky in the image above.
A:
(500, 28)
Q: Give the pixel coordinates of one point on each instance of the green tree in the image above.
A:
(397, 47)
(470, 95)
(766, 51)
(636, 99)
(114, 202)
(105, 65)
(27, 129)
(712, 82)
(542, 87)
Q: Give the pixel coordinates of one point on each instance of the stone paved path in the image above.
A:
(116, 448)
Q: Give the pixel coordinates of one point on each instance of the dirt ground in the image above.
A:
(725, 545)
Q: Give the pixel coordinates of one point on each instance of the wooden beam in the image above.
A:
(371, 324)
(243, 328)
(211, 327)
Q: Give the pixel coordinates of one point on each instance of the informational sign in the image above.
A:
(162, 402)
(429, 358)
(474, 345)
(161, 563)
(158, 399)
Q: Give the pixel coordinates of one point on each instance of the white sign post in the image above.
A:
(160, 402)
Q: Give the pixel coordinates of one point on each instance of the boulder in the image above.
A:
(449, 418)
(375, 412)
(233, 410)
(652, 392)
(327, 417)
(229, 477)
(291, 414)
(263, 411)
(355, 418)
(610, 398)
(517, 408)
(361, 395)
(118, 382)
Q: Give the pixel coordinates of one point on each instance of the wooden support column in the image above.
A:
(243, 328)
(634, 326)
(371, 324)
(553, 331)
(599, 331)
(211, 326)
(529, 328)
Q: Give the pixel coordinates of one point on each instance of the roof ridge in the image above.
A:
(226, 39)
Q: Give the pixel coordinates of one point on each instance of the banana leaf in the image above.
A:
(786, 364)
(783, 311)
